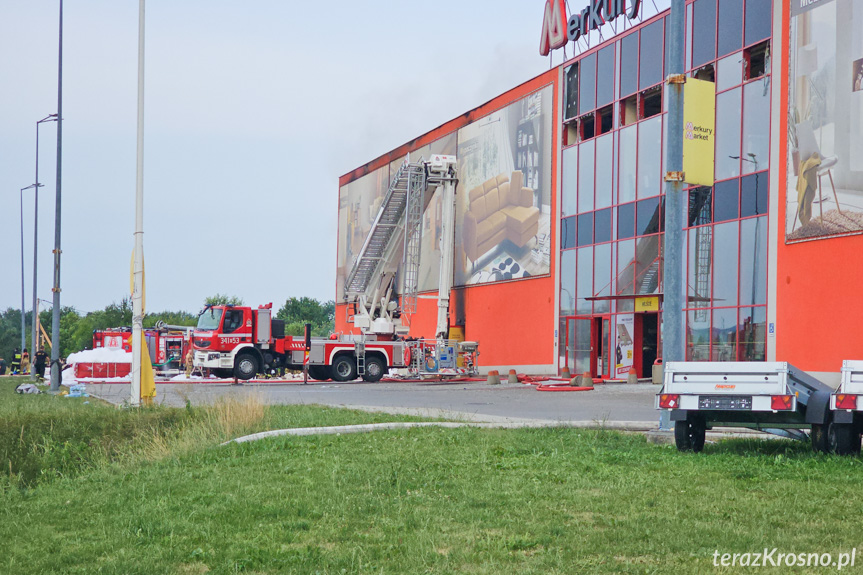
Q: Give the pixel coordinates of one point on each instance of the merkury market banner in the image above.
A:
(825, 120)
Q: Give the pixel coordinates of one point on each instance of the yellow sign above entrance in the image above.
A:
(643, 304)
(699, 131)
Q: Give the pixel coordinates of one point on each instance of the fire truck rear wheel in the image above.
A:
(247, 366)
(344, 368)
(375, 369)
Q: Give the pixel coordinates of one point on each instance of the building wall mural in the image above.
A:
(503, 199)
(503, 212)
(825, 120)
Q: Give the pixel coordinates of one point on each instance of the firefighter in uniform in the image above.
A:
(15, 366)
(189, 359)
(41, 360)
(25, 361)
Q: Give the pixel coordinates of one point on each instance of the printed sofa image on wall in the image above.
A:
(501, 223)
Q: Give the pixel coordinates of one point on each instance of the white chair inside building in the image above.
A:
(807, 145)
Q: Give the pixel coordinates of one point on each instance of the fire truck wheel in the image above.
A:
(375, 369)
(319, 372)
(344, 368)
(689, 435)
(246, 366)
(842, 439)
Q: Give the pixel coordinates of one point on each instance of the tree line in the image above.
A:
(76, 328)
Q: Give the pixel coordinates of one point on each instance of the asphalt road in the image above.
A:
(613, 404)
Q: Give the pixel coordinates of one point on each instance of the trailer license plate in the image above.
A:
(726, 402)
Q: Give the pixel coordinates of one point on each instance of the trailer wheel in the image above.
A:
(319, 372)
(842, 439)
(246, 366)
(689, 435)
(375, 369)
(344, 368)
(818, 435)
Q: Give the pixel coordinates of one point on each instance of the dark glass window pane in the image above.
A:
(647, 218)
(730, 26)
(571, 110)
(758, 20)
(651, 49)
(703, 32)
(605, 76)
(753, 195)
(602, 226)
(725, 200)
(629, 65)
(625, 221)
(700, 200)
(587, 84)
(585, 229)
(567, 233)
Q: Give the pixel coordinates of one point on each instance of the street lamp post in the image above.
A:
(23, 311)
(34, 330)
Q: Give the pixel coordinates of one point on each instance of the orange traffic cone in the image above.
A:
(632, 376)
(493, 377)
(564, 373)
(512, 377)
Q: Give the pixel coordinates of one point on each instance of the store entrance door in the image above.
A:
(600, 364)
(646, 343)
(578, 345)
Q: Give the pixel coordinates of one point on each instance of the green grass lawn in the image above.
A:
(426, 501)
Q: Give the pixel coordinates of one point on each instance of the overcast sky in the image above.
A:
(253, 111)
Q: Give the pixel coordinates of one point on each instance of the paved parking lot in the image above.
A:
(614, 404)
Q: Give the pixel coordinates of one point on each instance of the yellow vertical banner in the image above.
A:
(148, 376)
(699, 131)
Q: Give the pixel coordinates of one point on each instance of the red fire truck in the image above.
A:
(241, 342)
(238, 341)
(168, 345)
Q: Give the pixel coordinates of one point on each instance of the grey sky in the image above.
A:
(253, 110)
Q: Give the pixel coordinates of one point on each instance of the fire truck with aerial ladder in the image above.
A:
(240, 342)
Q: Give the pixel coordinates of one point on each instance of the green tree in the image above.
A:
(220, 299)
(298, 311)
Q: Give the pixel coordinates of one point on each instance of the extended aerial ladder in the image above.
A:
(395, 238)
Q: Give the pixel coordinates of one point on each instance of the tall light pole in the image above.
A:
(34, 329)
(138, 262)
(55, 312)
(23, 311)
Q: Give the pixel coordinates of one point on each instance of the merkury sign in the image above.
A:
(557, 30)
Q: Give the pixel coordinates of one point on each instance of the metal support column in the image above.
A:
(55, 312)
(675, 203)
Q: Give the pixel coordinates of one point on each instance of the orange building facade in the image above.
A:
(560, 203)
